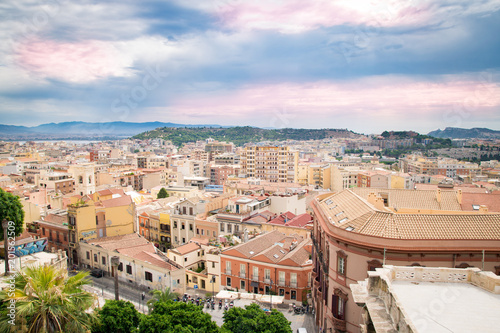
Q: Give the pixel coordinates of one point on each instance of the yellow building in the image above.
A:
(88, 219)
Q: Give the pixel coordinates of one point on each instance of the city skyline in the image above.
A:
(345, 64)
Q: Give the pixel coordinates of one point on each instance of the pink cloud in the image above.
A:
(74, 62)
(366, 99)
(297, 16)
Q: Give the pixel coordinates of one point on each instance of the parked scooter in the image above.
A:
(220, 304)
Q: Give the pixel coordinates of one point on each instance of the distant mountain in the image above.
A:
(463, 133)
(84, 130)
(242, 135)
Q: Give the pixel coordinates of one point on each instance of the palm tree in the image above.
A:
(47, 300)
(161, 296)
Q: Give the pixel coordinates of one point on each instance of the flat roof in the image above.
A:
(448, 307)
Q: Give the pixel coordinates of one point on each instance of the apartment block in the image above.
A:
(271, 163)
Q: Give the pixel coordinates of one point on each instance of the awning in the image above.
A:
(254, 284)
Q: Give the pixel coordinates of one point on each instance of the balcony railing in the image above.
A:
(227, 271)
(243, 275)
(281, 283)
(267, 280)
(255, 278)
(293, 284)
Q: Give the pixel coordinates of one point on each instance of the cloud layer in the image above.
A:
(361, 64)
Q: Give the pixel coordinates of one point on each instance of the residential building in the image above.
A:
(84, 176)
(57, 181)
(272, 262)
(141, 263)
(271, 163)
(97, 217)
(358, 230)
(54, 227)
(428, 299)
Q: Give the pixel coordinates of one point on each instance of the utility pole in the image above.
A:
(115, 261)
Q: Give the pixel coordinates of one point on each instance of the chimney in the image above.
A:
(438, 195)
(379, 203)
(372, 198)
(483, 209)
(459, 196)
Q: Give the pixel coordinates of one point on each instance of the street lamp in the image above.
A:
(5, 225)
(213, 292)
(115, 261)
(271, 293)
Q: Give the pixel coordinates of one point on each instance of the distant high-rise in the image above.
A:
(272, 163)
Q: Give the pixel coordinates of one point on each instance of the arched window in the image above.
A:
(373, 264)
(339, 300)
(80, 179)
(463, 265)
(90, 179)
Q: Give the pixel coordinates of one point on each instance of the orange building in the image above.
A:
(272, 262)
(359, 230)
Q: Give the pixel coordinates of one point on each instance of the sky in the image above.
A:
(364, 65)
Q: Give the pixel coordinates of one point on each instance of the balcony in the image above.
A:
(281, 283)
(339, 324)
(293, 284)
(267, 280)
(227, 271)
(243, 275)
(255, 278)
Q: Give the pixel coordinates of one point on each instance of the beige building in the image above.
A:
(140, 261)
(271, 163)
(84, 176)
(428, 299)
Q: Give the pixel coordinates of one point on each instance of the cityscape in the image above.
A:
(250, 166)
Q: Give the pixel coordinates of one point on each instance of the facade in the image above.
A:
(54, 227)
(84, 176)
(358, 230)
(182, 221)
(92, 218)
(220, 173)
(141, 263)
(270, 263)
(57, 181)
(271, 163)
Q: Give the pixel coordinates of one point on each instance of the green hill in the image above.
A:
(242, 135)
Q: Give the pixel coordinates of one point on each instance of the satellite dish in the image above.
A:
(109, 222)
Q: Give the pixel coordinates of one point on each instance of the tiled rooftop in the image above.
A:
(351, 212)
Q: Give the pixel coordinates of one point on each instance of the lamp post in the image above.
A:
(271, 293)
(115, 261)
(5, 225)
(213, 291)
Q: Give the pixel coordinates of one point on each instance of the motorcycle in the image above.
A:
(225, 307)
(220, 304)
(213, 305)
(208, 305)
(231, 304)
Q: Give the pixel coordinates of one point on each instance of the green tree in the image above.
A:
(176, 317)
(162, 194)
(11, 209)
(253, 319)
(117, 316)
(47, 300)
(161, 296)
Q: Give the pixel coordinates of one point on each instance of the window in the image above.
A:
(176, 239)
(229, 227)
(213, 264)
(281, 278)
(43, 232)
(203, 232)
(148, 276)
(184, 210)
(228, 282)
(293, 280)
(242, 270)
(129, 269)
(103, 260)
(341, 263)
(282, 292)
(222, 227)
(195, 279)
(203, 285)
(339, 299)
(88, 255)
(215, 235)
(242, 285)
(95, 257)
(120, 267)
(185, 259)
(293, 294)
(267, 274)
(183, 240)
(183, 226)
(197, 231)
(373, 264)
(255, 273)
(228, 267)
(96, 220)
(190, 227)
(190, 210)
(175, 259)
(175, 224)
